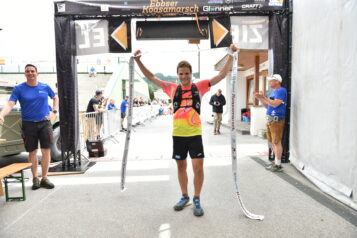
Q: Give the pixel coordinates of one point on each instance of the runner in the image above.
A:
(187, 130)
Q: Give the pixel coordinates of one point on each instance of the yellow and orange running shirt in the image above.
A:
(187, 121)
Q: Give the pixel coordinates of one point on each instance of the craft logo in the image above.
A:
(217, 8)
(168, 7)
(276, 3)
(251, 6)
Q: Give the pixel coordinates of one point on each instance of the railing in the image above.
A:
(105, 125)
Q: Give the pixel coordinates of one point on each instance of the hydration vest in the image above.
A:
(196, 101)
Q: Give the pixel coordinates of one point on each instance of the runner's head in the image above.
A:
(184, 72)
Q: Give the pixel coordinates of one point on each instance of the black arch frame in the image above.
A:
(280, 26)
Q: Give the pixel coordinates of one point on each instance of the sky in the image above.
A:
(28, 36)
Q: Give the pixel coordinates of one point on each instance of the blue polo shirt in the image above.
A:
(279, 111)
(123, 106)
(33, 100)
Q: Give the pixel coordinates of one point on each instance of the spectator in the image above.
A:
(135, 102)
(36, 125)
(111, 105)
(141, 102)
(92, 72)
(276, 105)
(94, 114)
(123, 107)
(217, 101)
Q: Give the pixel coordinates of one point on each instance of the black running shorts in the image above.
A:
(32, 132)
(122, 115)
(192, 144)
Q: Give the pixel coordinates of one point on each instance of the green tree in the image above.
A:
(163, 77)
(151, 92)
(196, 75)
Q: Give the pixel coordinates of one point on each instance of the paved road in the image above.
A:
(92, 205)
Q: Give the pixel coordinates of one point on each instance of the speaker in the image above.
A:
(95, 148)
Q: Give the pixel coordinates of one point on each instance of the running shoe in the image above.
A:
(197, 209)
(182, 203)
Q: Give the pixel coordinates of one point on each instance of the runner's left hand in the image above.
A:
(234, 48)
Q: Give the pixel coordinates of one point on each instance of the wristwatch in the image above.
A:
(54, 111)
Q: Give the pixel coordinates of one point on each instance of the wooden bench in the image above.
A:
(7, 173)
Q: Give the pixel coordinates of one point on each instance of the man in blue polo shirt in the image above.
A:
(276, 107)
(36, 121)
(123, 106)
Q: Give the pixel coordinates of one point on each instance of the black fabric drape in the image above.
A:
(279, 42)
(67, 83)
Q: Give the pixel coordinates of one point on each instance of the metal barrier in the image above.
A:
(105, 125)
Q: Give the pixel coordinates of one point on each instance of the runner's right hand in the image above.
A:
(137, 54)
(2, 120)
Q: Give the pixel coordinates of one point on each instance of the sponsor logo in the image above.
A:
(166, 84)
(276, 3)
(234, 1)
(167, 7)
(177, 157)
(125, 6)
(42, 91)
(259, 0)
(215, 1)
(251, 6)
(217, 8)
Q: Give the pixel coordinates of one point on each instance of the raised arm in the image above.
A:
(6, 110)
(226, 68)
(145, 71)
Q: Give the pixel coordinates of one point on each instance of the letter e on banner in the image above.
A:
(91, 37)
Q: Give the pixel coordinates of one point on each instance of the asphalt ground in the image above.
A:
(92, 204)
